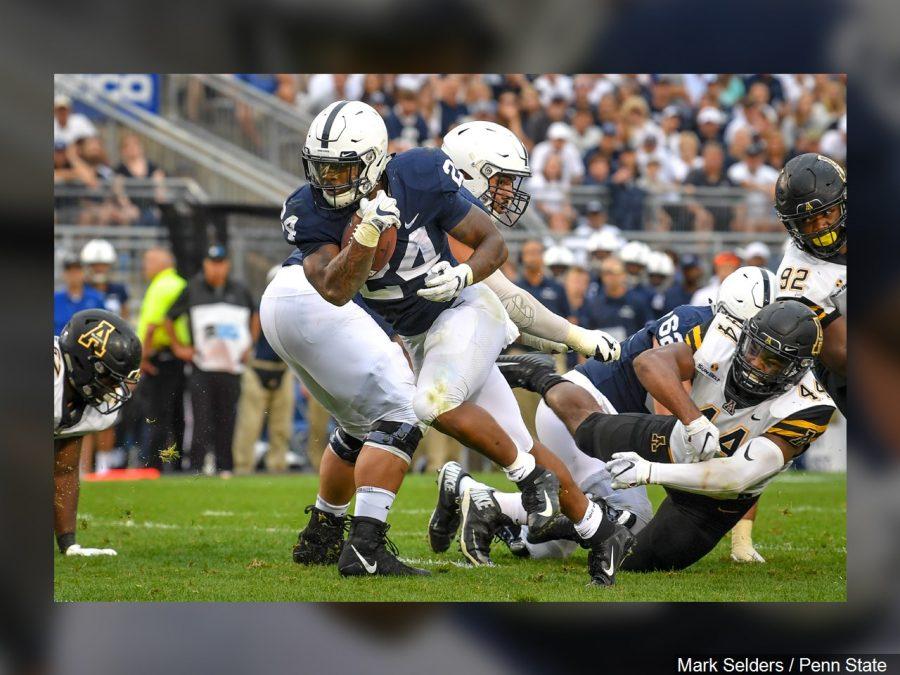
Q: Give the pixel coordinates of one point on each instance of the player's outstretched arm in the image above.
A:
(337, 274)
(834, 348)
(753, 462)
(662, 372)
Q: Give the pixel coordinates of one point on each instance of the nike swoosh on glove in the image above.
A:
(628, 470)
(445, 282)
(76, 550)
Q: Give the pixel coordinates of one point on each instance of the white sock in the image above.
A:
(522, 466)
(373, 502)
(587, 527)
(335, 509)
(511, 506)
(467, 482)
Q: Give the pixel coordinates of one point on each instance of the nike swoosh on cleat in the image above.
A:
(612, 564)
(547, 512)
(410, 223)
(371, 569)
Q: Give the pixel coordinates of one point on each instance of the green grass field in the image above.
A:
(204, 539)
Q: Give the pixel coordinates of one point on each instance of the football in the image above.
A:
(386, 244)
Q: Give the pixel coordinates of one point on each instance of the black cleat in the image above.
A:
(540, 497)
(534, 372)
(481, 518)
(511, 535)
(368, 552)
(321, 540)
(445, 518)
(561, 528)
(606, 555)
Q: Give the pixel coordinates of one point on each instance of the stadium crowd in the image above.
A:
(646, 143)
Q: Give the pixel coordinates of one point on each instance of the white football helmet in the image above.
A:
(494, 163)
(98, 252)
(345, 153)
(635, 253)
(660, 264)
(604, 240)
(746, 291)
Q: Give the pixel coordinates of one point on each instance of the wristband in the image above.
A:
(367, 234)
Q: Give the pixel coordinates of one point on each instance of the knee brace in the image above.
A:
(398, 438)
(344, 445)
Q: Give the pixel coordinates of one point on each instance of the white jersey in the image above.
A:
(819, 284)
(91, 419)
(799, 416)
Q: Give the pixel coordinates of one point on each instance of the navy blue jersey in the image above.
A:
(620, 317)
(426, 185)
(617, 380)
(550, 293)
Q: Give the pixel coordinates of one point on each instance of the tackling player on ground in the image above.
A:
(96, 363)
(763, 405)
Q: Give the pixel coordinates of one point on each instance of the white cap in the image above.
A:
(409, 81)
(558, 255)
(97, 252)
(604, 240)
(559, 131)
(757, 248)
(660, 263)
(710, 114)
(62, 101)
(635, 252)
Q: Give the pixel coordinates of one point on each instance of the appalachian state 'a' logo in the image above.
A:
(729, 407)
(657, 441)
(97, 337)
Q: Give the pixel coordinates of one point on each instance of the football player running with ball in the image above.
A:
(753, 407)
(452, 327)
(96, 363)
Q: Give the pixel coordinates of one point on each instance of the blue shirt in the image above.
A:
(620, 317)
(617, 380)
(64, 306)
(676, 295)
(550, 293)
(426, 185)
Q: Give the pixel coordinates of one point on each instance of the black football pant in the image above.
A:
(686, 526)
(162, 396)
(214, 399)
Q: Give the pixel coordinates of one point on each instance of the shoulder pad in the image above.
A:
(426, 170)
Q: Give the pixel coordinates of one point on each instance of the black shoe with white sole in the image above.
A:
(481, 519)
(540, 498)
(321, 540)
(534, 372)
(368, 552)
(606, 555)
(445, 518)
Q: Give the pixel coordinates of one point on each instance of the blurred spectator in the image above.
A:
(558, 260)
(597, 170)
(670, 123)
(635, 255)
(759, 179)
(69, 127)
(615, 309)
(711, 175)
(267, 394)
(723, 264)
(548, 188)
(99, 256)
(535, 279)
(709, 124)
(224, 324)
(133, 162)
(685, 158)
(324, 89)
(683, 289)
(637, 125)
(660, 272)
(595, 219)
(834, 141)
(600, 246)
(76, 296)
(627, 198)
(559, 144)
(404, 121)
(450, 102)
(537, 125)
(585, 134)
(554, 86)
(163, 381)
(576, 282)
(756, 254)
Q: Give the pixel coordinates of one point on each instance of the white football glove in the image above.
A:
(444, 282)
(377, 215)
(76, 549)
(628, 470)
(702, 440)
(593, 344)
(745, 553)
